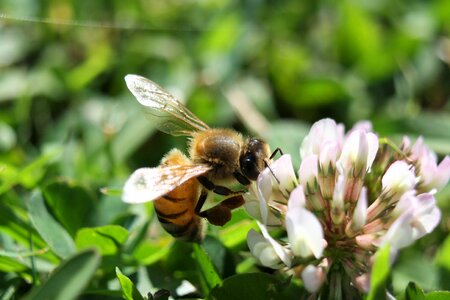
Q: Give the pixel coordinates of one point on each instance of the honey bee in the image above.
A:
(180, 185)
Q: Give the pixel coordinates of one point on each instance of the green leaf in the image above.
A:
(51, 231)
(288, 136)
(257, 286)
(379, 274)
(69, 280)
(148, 252)
(209, 278)
(29, 175)
(129, 290)
(107, 239)
(414, 292)
(8, 264)
(235, 236)
(70, 203)
(406, 265)
(442, 257)
(439, 295)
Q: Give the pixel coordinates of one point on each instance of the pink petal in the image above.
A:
(443, 174)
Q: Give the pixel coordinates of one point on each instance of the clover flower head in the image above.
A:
(350, 196)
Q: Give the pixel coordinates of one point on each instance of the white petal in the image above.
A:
(400, 233)
(262, 250)
(264, 183)
(305, 232)
(399, 177)
(338, 195)
(284, 173)
(281, 251)
(373, 144)
(313, 278)
(297, 198)
(365, 126)
(360, 213)
(308, 171)
(355, 151)
(329, 154)
(321, 132)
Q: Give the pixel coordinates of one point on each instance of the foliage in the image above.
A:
(69, 130)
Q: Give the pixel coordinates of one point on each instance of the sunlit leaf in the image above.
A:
(129, 291)
(414, 292)
(107, 239)
(379, 274)
(209, 278)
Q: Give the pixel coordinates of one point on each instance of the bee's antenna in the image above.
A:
(266, 162)
(275, 152)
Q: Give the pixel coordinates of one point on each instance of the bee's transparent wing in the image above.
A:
(169, 115)
(148, 184)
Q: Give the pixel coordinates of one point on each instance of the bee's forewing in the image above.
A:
(167, 113)
(148, 184)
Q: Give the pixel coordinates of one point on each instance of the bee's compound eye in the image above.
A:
(249, 166)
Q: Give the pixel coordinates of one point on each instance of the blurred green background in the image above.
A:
(69, 126)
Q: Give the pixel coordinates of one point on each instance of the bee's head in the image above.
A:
(253, 158)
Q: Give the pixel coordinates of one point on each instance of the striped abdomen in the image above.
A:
(176, 209)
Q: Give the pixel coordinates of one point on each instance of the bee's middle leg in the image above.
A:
(220, 214)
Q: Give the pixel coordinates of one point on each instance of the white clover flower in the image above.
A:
(433, 177)
(350, 197)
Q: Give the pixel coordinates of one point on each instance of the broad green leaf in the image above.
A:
(414, 292)
(220, 256)
(129, 290)
(209, 278)
(69, 280)
(72, 204)
(51, 231)
(406, 265)
(379, 274)
(148, 252)
(235, 236)
(107, 239)
(253, 286)
(137, 235)
(439, 295)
